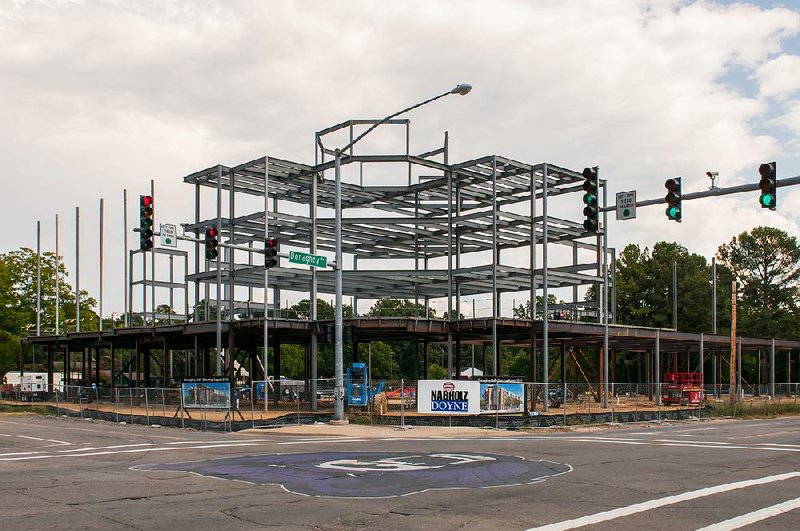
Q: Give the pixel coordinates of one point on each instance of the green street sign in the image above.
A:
(313, 260)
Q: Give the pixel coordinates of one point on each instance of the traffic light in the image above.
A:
(145, 222)
(673, 198)
(768, 185)
(590, 211)
(270, 253)
(212, 242)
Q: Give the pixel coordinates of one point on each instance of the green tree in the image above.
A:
(644, 287)
(21, 266)
(11, 320)
(523, 311)
(766, 264)
(400, 308)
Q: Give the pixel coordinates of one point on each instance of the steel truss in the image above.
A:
(461, 210)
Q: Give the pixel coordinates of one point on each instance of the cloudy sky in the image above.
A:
(105, 95)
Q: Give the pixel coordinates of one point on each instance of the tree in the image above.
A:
(400, 308)
(766, 264)
(11, 320)
(21, 266)
(523, 311)
(644, 287)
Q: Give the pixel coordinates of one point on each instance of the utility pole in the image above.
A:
(675, 295)
(732, 387)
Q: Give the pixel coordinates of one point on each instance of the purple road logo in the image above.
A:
(373, 474)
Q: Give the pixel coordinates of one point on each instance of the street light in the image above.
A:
(462, 90)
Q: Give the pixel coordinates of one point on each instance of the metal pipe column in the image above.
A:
(605, 295)
(78, 269)
(772, 369)
(657, 368)
(313, 298)
(218, 371)
(58, 287)
(125, 258)
(495, 256)
(545, 295)
(39, 279)
(100, 302)
(266, 286)
(338, 392)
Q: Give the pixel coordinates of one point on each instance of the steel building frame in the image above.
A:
(456, 211)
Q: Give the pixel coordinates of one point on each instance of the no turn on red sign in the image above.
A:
(626, 205)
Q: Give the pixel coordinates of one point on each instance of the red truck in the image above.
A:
(682, 389)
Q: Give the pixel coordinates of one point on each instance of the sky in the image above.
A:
(103, 96)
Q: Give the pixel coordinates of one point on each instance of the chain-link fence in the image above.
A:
(502, 404)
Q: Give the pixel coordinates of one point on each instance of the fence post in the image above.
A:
(402, 403)
(97, 400)
(564, 404)
(147, 405)
(497, 406)
(613, 402)
(589, 402)
(130, 396)
(115, 397)
(297, 397)
(252, 402)
(58, 408)
(80, 401)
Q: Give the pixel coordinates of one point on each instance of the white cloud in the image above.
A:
(779, 78)
(103, 96)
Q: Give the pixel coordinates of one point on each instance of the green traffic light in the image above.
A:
(674, 213)
(589, 199)
(767, 200)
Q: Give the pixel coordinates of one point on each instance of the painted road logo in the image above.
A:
(373, 474)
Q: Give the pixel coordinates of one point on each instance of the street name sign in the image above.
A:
(626, 205)
(169, 235)
(313, 260)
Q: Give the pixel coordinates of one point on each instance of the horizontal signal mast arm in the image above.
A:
(791, 181)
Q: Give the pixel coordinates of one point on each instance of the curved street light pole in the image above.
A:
(338, 391)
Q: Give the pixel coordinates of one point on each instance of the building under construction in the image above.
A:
(413, 226)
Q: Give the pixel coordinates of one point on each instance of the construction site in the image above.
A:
(415, 227)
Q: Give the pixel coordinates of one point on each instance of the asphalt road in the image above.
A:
(58, 473)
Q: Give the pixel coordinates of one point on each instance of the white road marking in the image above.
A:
(695, 429)
(332, 440)
(700, 445)
(19, 453)
(755, 516)
(216, 442)
(636, 508)
(691, 442)
(778, 444)
(128, 450)
(62, 443)
(86, 449)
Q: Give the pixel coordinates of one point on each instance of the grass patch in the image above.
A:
(7, 409)
(752, 409)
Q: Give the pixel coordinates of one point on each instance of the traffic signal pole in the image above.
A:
(791, 181)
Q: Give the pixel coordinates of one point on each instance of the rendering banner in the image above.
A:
(448, 397)
(206, 393)
(502, 397)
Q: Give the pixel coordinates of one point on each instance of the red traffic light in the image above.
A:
(147, 200)
(272, 243)
(672, 185)
(212, 232)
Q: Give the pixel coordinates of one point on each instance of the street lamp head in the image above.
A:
(462, 89)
